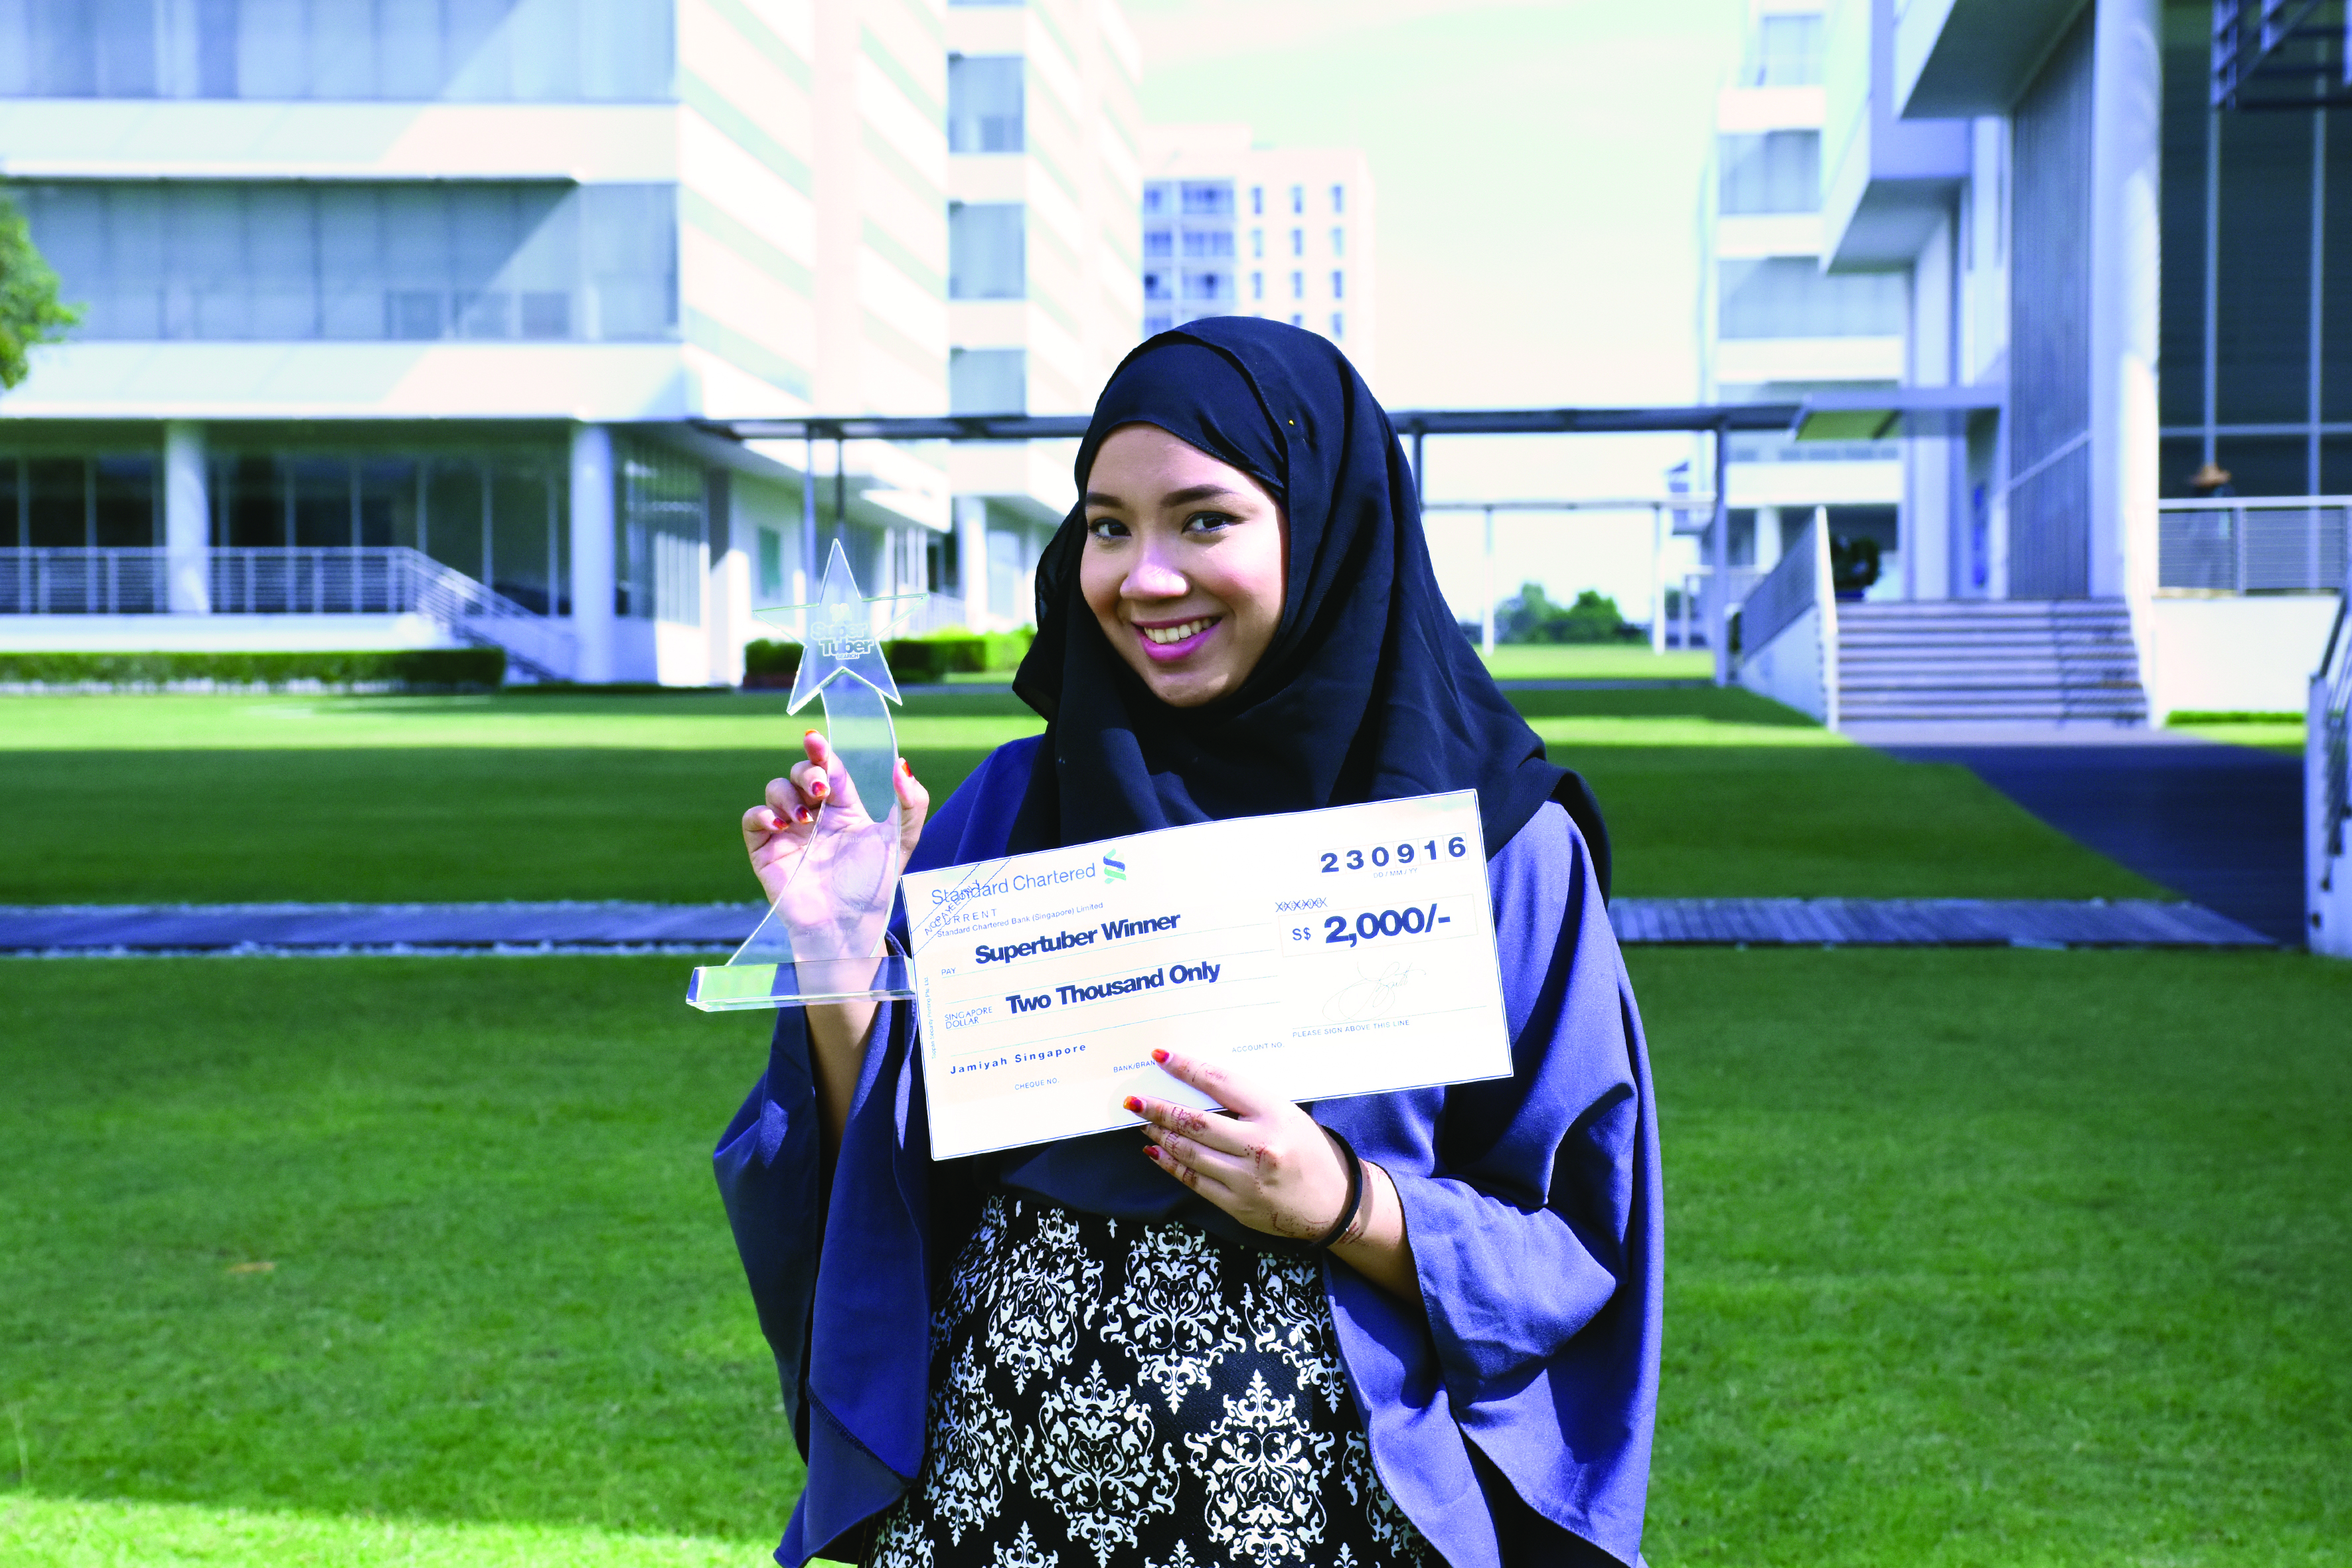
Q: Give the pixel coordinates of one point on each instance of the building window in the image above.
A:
(1792, 297)
(1200, 244)
(1208, 199)
(1158, 286)
(1777, 172)
(1297, 320)
(551, 51)
(1298, 199)
(987, 251)
(1207, 286)
(1785, 52)
(1339, 284)
(1155, 198)
(984, 103)
(1338, 200)
(988, 380)
(1258, 201)
(1159, 321)
(1258, 245)
(1258, 285)
(1297, 242)
(1338, 242)
(772, 566)
(106, 502)
(1159, 244)
(1298, 285)
(1339, 325)
(361, 260)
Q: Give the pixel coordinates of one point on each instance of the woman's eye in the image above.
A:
(1107, 528)
(1205, 522)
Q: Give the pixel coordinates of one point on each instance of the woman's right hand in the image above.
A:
(779, 835)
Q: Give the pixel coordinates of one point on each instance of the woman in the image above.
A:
(1199, 1350)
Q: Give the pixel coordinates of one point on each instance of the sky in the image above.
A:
(1537, 168)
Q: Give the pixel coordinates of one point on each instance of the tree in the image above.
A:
(30, 312)
(1529, 617)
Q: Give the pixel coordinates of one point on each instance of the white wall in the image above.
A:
(2238, 655)
(1788, 669)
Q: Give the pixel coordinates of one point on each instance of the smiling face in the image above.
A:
(1183, 565)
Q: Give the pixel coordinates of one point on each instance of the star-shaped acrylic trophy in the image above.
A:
(824, 938)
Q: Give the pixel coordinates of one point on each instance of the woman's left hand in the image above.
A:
(1268, 1164)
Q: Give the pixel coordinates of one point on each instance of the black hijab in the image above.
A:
(1368, 690)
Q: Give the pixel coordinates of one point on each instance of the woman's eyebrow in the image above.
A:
(1199, 493)
(1096, 498)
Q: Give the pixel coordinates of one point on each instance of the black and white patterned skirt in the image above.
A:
(1109, 1394)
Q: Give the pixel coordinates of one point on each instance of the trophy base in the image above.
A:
(743, 987)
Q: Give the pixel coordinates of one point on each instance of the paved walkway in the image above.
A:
(2218, 824)
(65, 931)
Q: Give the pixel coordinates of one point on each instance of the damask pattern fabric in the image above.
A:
(1111, 1394)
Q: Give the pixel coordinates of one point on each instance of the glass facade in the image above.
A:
(1777, 172)
(110, 501)
(1792, 297)
(489, 51)
(498, 518)
(660, 512)
(2256, 352)
(984, 103)
(362, 261)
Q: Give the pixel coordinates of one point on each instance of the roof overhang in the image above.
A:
(1883, 413)
(1408, 422)
(1957, 58)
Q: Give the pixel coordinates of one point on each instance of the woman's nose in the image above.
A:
(1153, 578)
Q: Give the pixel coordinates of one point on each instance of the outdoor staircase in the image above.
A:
(1989, 661)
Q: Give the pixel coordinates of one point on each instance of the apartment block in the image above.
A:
(1231, 229)
(1044, 188)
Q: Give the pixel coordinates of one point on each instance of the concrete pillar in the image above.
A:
(187, 520)
(971, 559)
(2127, 145)
(1928, 521)
(593, 577)
(726, 599)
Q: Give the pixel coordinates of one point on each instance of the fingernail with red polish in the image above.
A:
(1151, 1153)
(1158, 1055)
(819, 789)
(1133, 1104)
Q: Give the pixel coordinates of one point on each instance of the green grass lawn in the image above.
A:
(2276, 736)
(1597, 661)
(127, 799)
(1976, 1258)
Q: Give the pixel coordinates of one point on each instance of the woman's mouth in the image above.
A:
(1166, 643)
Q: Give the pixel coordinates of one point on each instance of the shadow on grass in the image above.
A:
(390, 824)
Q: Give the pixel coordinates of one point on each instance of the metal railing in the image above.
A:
(84, 582)
(2253, 544)
(361, 580)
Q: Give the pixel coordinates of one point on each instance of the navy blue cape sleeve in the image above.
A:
(1534, 1207)
(854, 1359)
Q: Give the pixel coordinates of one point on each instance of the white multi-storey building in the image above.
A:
(1778, 325)
(404, 323)
(1044, 181)
(2078, 292)
(1230, 229)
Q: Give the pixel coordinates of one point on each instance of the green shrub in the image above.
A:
(923, 661)
(422, 667)
(2206, 716)
(1528, 616)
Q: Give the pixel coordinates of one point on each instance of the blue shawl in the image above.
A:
(1511, 1420)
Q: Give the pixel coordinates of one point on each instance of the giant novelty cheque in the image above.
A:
(1342, 951)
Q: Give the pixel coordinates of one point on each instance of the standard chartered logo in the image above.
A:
(1114, 869)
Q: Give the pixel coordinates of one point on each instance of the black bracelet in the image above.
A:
(1354, 1206)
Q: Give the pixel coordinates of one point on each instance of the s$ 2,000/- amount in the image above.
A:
(1372, 927)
